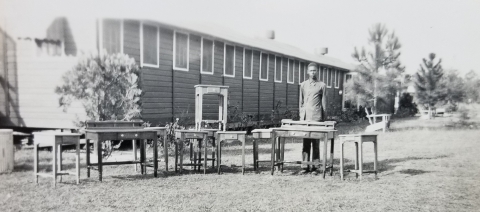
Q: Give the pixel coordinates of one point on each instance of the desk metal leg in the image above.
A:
(213, 152)
(77, 160)
(182, 151)
(99, 156)
(375, 162)
(272, 155)
(332, 142)
(87, 154)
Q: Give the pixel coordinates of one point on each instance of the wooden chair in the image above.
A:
(374, 125)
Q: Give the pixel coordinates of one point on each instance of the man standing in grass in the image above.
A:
(312, 108)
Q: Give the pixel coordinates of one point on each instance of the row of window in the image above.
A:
(150, 45)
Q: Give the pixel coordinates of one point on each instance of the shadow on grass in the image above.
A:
(27, 167)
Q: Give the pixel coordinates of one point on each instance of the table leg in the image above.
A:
(243, 156)
(361, 159)
(182, 151)
(35, 162)
(375, 162)
(205, 155)
(77, 160)
(165, 151)
(341, 161)
(213, 152)
(282, 152)
(134, 147)
(356, 159)
(200, 143)
(324, 162)
(155, 157)
(54, 166)
(142, 157)
(176, 155)
(59, 155)
(194, 147)
(277, 150)
(332, 142)
(255, 155)
(219, 156)
(99, 156)
(87, 154)
(272, 155)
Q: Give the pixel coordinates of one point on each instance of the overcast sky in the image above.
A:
(451, 29)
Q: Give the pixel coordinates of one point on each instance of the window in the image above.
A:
(112, 36)
(329, 78)
(247, 63)
(324, 75)
(296, 69)
(150, 44)
(337, 78)
(301, 73)
(278, 69)
(207, 56)
(180, 51)
(348, 77)
(229, 61)
(264, 67)
(290, 75)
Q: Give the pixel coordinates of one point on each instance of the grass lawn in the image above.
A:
(421, 169)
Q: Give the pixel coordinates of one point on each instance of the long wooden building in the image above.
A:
(173, 57)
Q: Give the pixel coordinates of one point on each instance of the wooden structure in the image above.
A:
(196, 136)
(222, 93)
(225, 136)
(173, 57)
(374, 125)
(258, 134)
(7, 158)
(359, 139)
(56, 141)
(119, 130)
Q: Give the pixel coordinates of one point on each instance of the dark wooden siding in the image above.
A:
(266, 90)
(236, 83)
(251, 87)
(281, 87)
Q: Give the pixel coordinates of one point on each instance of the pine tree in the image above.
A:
(472, 83)
(380, 71)
(428, 86)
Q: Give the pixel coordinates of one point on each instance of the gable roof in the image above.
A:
(224, 34)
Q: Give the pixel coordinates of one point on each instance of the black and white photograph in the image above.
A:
(239, 105)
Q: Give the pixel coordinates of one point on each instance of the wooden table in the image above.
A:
(100, 135)
(181, 136)
(223, 136)
(56, 140)
(313, 132)
(161, 131)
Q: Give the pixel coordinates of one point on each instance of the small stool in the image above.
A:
(56, 140)
(230, 136)
(359, 139)
(181, 136)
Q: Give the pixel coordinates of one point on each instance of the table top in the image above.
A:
(119, 130)
(51, 133)
(305, 129)
(231, 132)
(191, 131)
(155, 128)
(261, 130)
(359, 134)
(380, 115)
